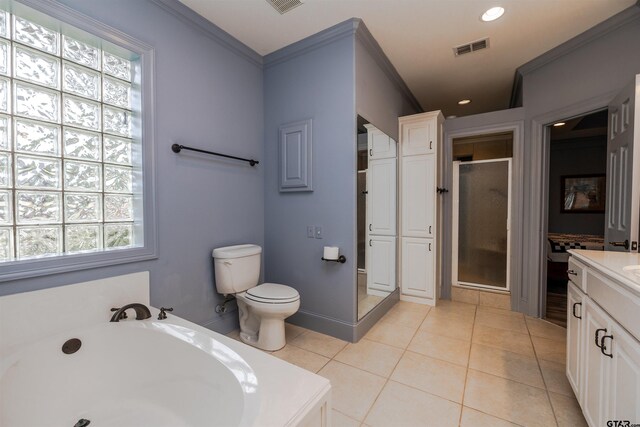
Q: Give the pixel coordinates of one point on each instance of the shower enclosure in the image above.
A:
(481, 223)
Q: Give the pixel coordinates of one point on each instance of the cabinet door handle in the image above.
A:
(370, 152)
(574, 310)
(429, 229)
(603, 348)
(370, 227)
(597, 339)
(430, 145)
(429, 247)
(572, 272)
(370, 242)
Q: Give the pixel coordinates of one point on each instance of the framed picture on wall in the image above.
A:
(583, 193)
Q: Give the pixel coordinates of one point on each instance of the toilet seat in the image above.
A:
(272, 293)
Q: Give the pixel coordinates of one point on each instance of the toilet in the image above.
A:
(262, 308)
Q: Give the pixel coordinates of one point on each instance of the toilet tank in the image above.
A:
(237, 268)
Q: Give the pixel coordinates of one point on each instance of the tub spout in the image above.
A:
(142, 312)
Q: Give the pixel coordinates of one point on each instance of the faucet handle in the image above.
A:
(123, 315)
(163, 314)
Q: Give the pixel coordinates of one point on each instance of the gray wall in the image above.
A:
(314, 83)
(584, 156)
(381, 96)
(207, 96)
(578, 77)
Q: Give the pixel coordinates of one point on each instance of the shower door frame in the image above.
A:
(456, 222)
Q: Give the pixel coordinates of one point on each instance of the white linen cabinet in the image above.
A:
(420, 220)
(381, 212)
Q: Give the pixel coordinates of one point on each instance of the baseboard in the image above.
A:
(323, 324)
(371, 318)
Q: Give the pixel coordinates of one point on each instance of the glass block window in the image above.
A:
(69, 156)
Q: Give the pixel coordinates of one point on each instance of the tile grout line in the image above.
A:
(404, 351)
(546, 389)
(466, 374)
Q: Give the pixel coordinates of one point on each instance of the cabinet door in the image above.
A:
(418, 195)
(381, 263)
(574, 325)
(417, 267)
(594, 373)
(419, 137)
(624, 377)
(381, 146)
(381, 197)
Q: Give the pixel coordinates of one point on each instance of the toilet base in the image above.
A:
(263, 327)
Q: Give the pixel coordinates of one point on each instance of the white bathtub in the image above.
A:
(129, 374)
(142, 373)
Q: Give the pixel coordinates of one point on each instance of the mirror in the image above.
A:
(376, 205)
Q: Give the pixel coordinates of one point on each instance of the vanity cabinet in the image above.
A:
(575, 304)
(603, 347)
(420, 213)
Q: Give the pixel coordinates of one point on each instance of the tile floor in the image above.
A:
(456, 364)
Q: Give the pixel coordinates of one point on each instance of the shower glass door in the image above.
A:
(481, 231)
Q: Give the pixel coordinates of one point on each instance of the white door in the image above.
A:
(381, 264)
(574, 331)
(624, 390)
(381, 197)
(418, 195)
(481, 223)
(418, 277)
(623, 189)
(595, 371)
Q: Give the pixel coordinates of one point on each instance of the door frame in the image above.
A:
(456, 218)
(517, 205)
(536, 204)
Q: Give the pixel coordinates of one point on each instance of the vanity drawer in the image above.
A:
(621, 304)
(576, 273)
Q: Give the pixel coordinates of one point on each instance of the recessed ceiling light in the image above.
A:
(557, 125)
(464, 102)
(492, 14)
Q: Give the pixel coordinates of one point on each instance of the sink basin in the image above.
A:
(635, 269)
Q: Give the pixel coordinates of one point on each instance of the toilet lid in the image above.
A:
(273, 293)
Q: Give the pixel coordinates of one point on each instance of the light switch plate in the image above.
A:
(318, 232)
(311, 231)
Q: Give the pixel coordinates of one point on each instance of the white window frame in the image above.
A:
(21, 269)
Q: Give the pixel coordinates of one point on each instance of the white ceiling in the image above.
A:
(418, 37)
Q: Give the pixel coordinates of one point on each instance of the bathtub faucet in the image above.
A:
(142, 312)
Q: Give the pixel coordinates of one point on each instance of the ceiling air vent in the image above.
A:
(284, 6)
(471, 47)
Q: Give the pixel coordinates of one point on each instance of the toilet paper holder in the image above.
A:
(341, 259)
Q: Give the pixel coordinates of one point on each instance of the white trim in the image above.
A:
(535, 226)
(520, 291)
(456, 224)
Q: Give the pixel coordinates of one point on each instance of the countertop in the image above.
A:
(612, 264)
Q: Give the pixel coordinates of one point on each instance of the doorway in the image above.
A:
(481, 232)
(576, 200)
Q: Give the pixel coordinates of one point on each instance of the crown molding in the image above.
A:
(367, 40)
(628, 15)
(208, 28)
(308, 44)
